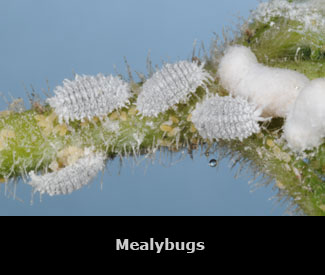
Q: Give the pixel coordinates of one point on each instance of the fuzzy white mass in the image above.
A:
(305, 126)
(171, 85)
(226, 118)
(89, 96)
(70, 178)
(273, 90)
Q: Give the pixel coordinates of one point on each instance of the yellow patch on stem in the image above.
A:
(54, 166)
(174, 119)
(162, 142)
(133, 111)
(3, 145)
(166, 128)
(96, 119)
(5, 135)
(193, 129)
(46, 123)
(70, 155)
(260, 135)
(286, 157)
(277, 150)
(270, 143)
(39, 117)
(5, 113)
(124, 116)
(174, 132)
(114, 116)
(84, 124)
(61, 130)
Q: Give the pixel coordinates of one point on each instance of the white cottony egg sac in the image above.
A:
(305, 126)
(271, 89)
(89, 96)
(173, 84)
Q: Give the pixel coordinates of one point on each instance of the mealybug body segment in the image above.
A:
(226, 118)
(70, 178)
(171, 85)
(89, 96)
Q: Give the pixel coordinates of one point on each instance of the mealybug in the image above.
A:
(70, 178)
(171, 85)
(89, 96)
(226, 118)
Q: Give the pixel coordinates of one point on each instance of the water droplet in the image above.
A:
(213, 163)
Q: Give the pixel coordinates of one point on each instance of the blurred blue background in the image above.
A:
(44, 40)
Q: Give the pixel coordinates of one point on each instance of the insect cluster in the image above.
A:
(256, 92)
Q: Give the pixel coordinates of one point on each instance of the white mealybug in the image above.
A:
(89, 96)
(273, 90)
(70, 178)
(305, 126)
(171, 85)
(226, 118)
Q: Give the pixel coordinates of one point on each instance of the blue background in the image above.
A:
(50, 40)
